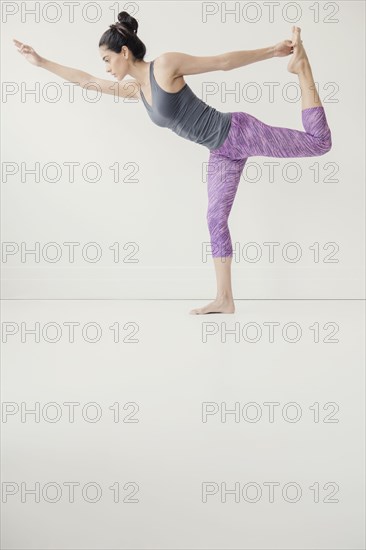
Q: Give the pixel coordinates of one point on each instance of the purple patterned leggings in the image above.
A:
(249, 137)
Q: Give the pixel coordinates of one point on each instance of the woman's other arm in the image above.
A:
(181, 64)
(233, 60)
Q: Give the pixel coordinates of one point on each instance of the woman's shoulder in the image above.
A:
(165, 69)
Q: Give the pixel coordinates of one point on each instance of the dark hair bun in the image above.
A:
(128, 21)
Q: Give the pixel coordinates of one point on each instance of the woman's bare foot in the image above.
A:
(220, 305)
(299, 59)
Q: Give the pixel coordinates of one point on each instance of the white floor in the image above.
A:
(163, 455)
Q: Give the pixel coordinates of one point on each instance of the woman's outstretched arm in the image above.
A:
(124, 88)
(67, 73)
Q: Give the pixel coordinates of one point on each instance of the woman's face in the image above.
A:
(115, 63)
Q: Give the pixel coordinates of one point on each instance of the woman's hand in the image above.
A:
(283, 48)
(29, 53)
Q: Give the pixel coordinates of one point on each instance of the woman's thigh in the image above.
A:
(249, 136)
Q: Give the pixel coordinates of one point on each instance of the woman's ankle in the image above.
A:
(224, 296)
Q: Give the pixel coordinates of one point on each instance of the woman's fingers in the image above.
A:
(22, 48)
(18, 43)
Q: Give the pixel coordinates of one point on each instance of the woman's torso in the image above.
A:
(172, 104)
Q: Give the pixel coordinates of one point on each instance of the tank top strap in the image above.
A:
(152, 77)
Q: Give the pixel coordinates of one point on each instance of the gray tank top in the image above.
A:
(187, 115)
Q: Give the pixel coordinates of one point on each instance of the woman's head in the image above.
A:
(120, 45)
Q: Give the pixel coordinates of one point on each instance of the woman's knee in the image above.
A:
(327, 143)
(324, 144)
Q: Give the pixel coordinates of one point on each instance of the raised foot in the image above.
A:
(299, 59)
(217, 306)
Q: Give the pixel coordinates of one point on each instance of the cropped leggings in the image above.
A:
(250, 137)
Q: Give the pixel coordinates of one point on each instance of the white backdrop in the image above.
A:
(145, 212)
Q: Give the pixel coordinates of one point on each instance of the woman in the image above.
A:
(230, 137)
